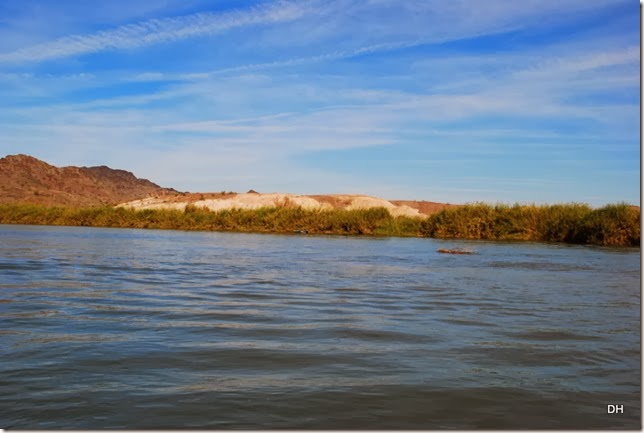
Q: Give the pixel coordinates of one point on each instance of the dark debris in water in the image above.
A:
(455, 251)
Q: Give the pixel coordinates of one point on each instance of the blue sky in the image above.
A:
(453, 101)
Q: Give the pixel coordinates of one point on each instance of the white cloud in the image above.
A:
(352, 23)
(155, 31)
(375, 25)
(339, 114)
(572, 65)
(248, 123)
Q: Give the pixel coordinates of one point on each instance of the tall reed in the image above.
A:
(614, 224)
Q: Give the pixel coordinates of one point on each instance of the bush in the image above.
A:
(613, 224)
(573, 223)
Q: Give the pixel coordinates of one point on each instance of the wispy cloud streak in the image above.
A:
(296, 61)
(156, 31)
(429, 99)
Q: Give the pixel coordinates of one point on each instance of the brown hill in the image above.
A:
(25, 179)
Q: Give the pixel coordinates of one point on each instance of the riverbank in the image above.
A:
(615, 224)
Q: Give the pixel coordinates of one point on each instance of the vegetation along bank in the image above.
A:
(613, 224)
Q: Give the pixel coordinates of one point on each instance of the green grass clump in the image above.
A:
(615, 224)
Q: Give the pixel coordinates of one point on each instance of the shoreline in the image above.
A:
(345, 235)
(611, 225)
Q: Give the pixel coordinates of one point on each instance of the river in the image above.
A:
(131, 329)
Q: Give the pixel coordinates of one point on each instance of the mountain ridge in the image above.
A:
(26, 179)
(29, 180)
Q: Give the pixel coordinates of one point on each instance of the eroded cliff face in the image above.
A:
(25, 179)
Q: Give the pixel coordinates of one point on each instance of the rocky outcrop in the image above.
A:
(25, 179)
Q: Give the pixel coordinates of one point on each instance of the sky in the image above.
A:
(532, 101)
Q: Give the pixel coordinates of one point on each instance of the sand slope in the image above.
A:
(256, 201)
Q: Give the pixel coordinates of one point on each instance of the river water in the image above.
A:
(127, 329)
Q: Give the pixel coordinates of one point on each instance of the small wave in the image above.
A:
(553, 335)
(541, 266)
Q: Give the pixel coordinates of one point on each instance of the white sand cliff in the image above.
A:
(256, 201)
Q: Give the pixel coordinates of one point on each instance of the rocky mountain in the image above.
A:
(25, 179)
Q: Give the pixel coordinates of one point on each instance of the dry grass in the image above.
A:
(616, 224)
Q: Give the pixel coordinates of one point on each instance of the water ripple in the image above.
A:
(131, 329)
